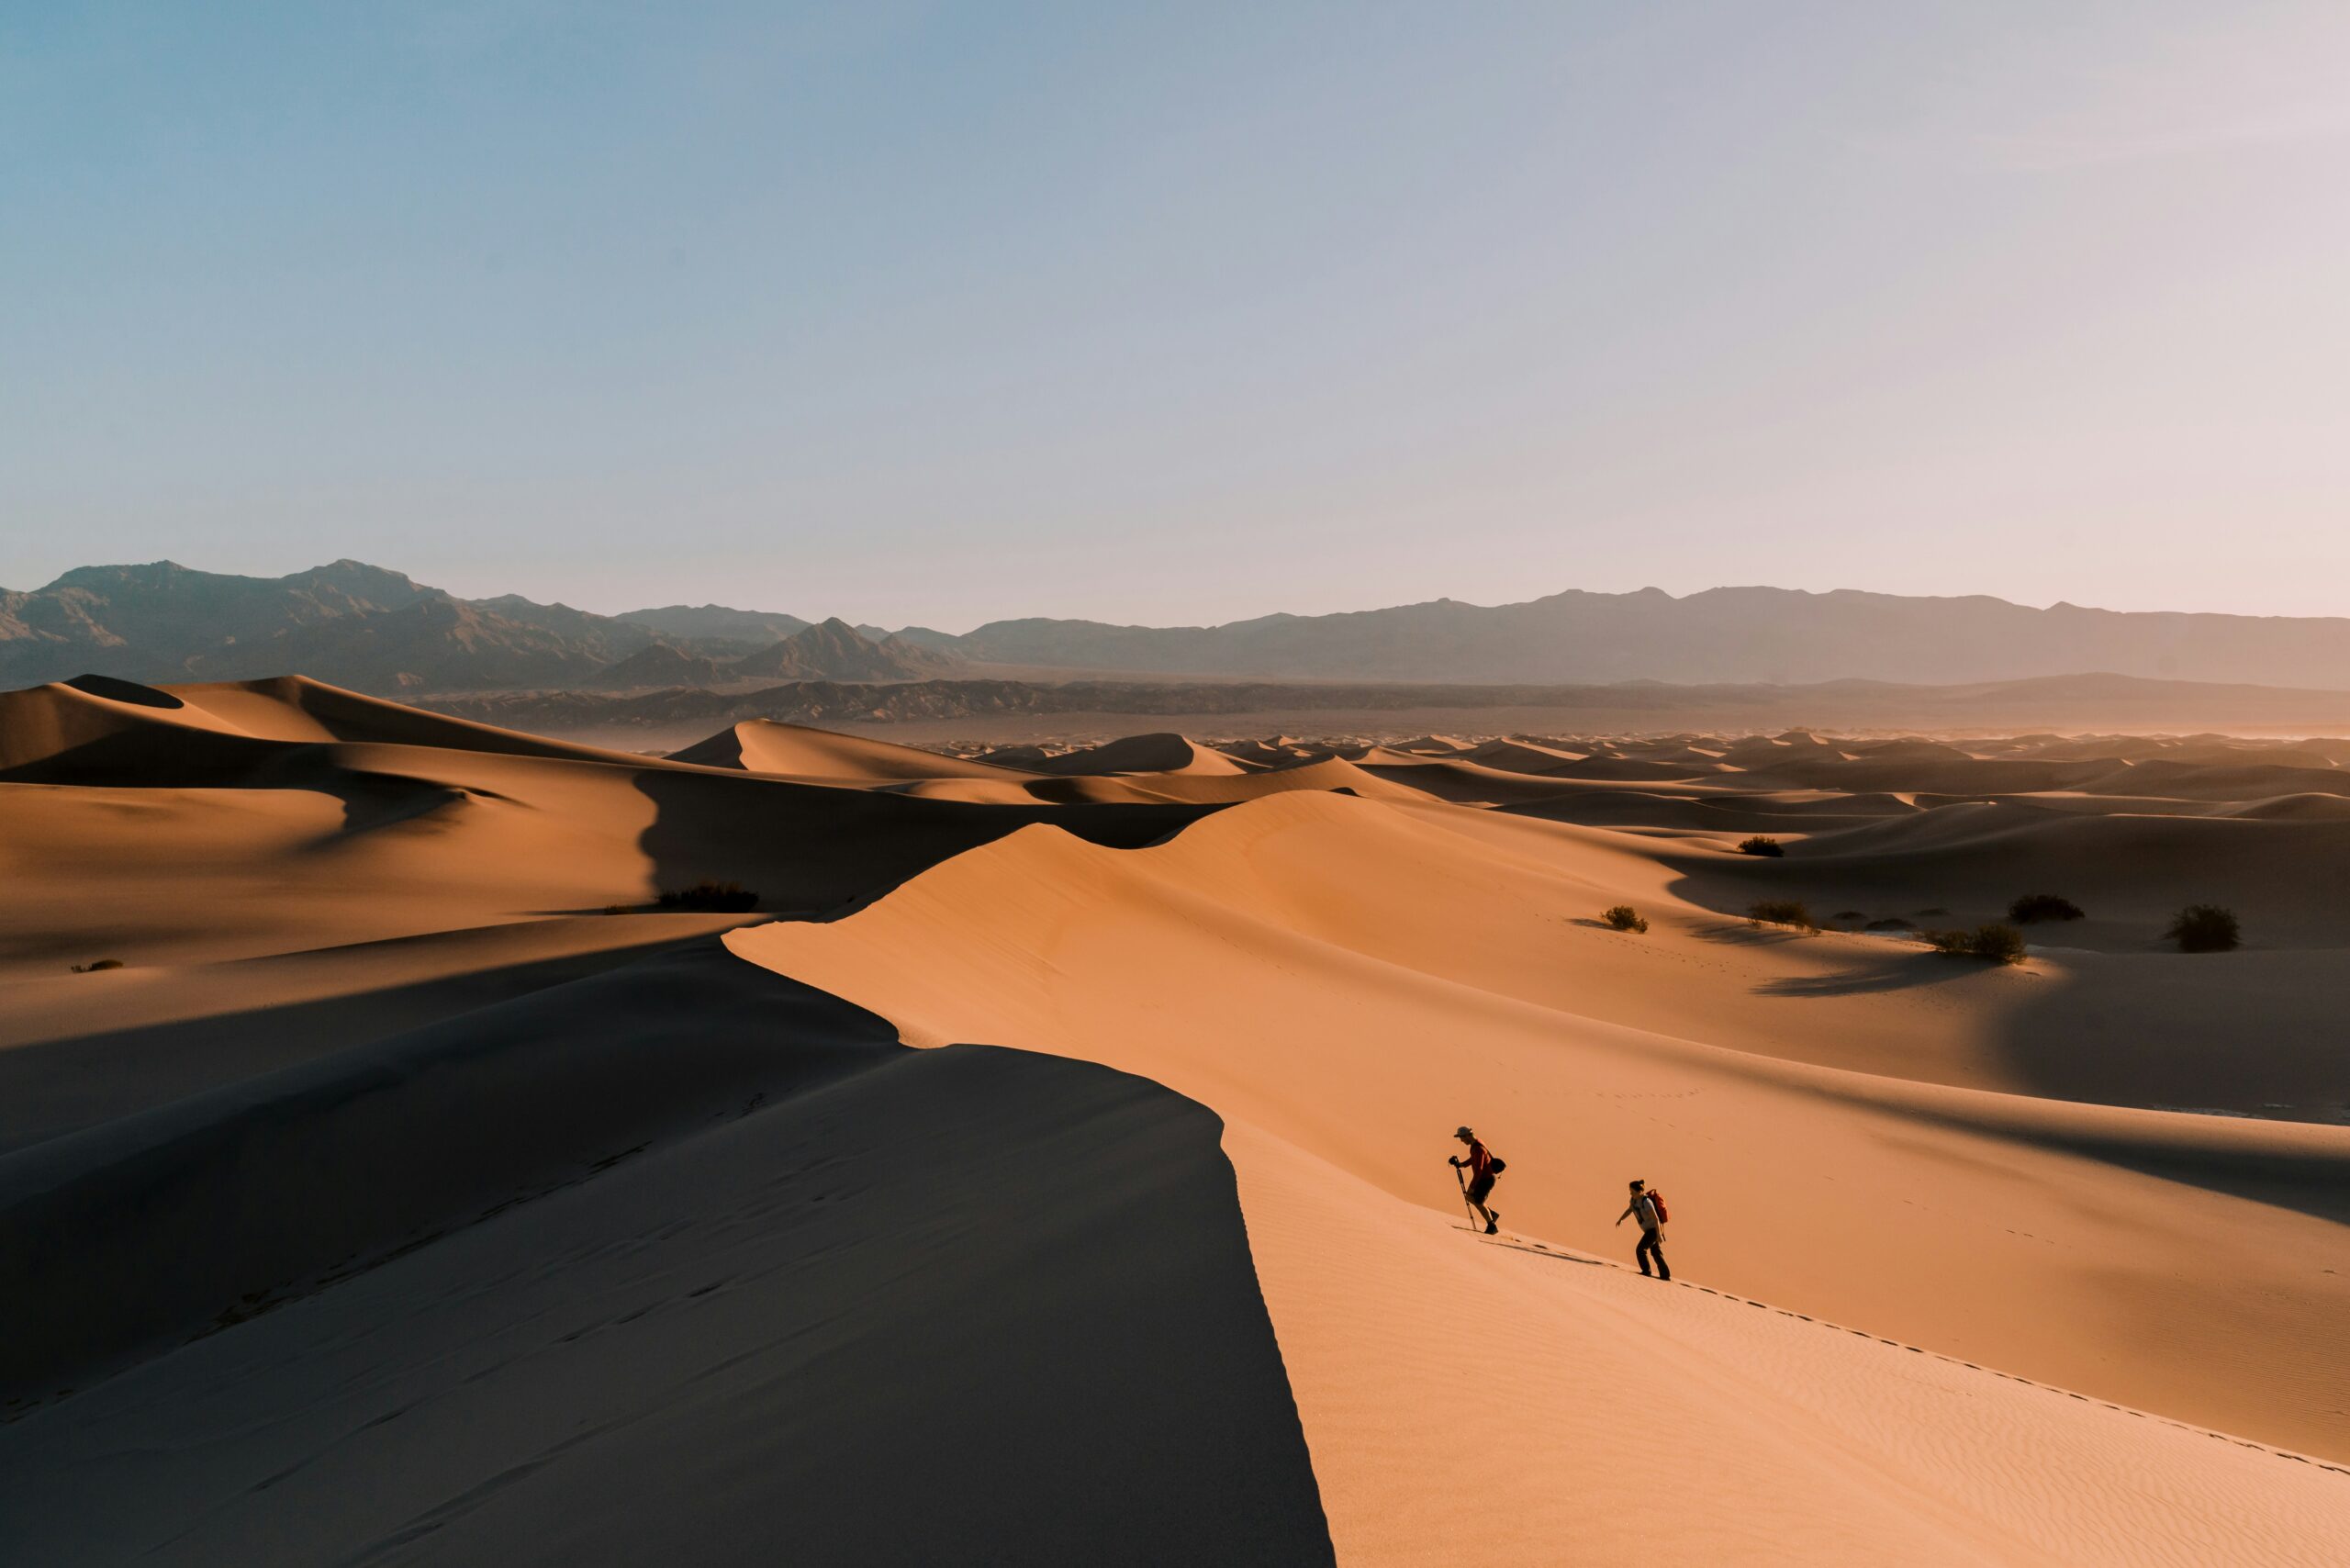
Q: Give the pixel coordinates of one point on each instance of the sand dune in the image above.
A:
(1373, 954)
(300, 843)
(813, 1295)
(794, 751)
(95, 730)
(1143, 754)
(392, 1203)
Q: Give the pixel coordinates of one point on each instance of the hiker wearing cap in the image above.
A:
(1649, 1209)
(1482, 1168)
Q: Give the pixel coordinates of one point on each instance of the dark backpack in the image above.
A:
(1497, 1166)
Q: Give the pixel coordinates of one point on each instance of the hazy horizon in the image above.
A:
(913, 315)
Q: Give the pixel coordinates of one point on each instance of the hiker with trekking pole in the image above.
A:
(1649, 1209)
(1475, 1172)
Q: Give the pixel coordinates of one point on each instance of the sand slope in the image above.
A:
(79, 1050)
(1472, 1400)
(879, 1314)
(1313, 964)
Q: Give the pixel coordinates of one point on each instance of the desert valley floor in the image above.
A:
(1050, 1166)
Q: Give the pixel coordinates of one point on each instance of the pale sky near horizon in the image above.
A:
(935, 314)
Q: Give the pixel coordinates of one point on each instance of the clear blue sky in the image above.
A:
(1183, 313)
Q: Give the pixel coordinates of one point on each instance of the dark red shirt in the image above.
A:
(1481, 1159)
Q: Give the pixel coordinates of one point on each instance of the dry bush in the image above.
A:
(93, 967)
(717, 898)
(2034, 907)
(1792, 913)
(1624, 917)
(2204, 928)
(1760, 845)
(1994, 944)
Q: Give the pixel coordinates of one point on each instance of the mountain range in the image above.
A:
(376, 630)
(1780, 636)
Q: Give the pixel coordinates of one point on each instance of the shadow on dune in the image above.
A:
(190, 758)
(1746, 934)
(127, 1237)
(687, 1235)
(51, 1088)
(118, 690)
(177, 756)
(2253, 1035)
(1894, 971)
(813, 850)
(2235, 1156)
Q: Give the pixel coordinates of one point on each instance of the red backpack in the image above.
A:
(1656, 1202)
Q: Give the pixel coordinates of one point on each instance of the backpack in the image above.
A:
(1656, 1202)
(1498, 1165)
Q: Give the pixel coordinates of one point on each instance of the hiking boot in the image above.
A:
(1494, 1225)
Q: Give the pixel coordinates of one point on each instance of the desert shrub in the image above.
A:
(2204, 928)
(2034, 907)
(620, 909)
(718, 898)
(1759, 845)
(96, 965)
(1995, 944)
(1893, 922)
(1792, 913)
(1624, 917)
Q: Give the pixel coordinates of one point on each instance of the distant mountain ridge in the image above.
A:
(830, 650)
(1780, 636)
(715, 622)
(378, 630)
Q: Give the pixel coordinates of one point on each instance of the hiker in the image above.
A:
(1483, 1167)
(1649, 1209)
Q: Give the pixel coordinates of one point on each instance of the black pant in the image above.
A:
(1481, 1188)
(1651, 1246)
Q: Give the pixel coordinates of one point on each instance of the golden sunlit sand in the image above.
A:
(420, 1183)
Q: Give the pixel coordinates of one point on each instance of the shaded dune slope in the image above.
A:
(130, 1236)
(2290, 873)
(698, 1239)
(76, 1051)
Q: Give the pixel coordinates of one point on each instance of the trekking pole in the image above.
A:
(1459, 1176)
